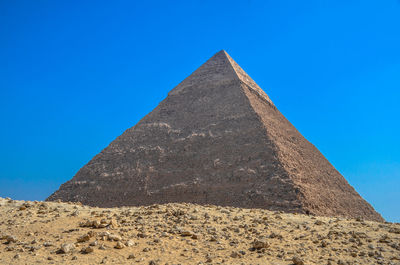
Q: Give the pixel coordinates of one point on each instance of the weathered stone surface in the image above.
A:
(67, 248)
(216, 139)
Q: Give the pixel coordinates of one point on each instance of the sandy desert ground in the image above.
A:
(66, 233)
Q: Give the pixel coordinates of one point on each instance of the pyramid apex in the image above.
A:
(222, 52)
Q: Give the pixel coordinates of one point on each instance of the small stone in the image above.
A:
(86, 223)
(50, 258)
(83, 238)
(87, 250)
(113, 237)
(370, 246)
(113, 224)
(152, 262)
(104, 234)
(324, 243)
(102, 247)
(92, 233)
(394, 230)
(186, 233)
(17, 256)
(384, 239)
(319, 222)
(131, 256)
(259, 244)
(10, 239)
(141, 235)
(97, 224)
(130, 243)
(214, 238)
(119, 245)
(66, 248)
(234, 255)
(48, 244)
(297, 261)
(75, 213)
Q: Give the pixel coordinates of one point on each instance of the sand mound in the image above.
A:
(54, 233)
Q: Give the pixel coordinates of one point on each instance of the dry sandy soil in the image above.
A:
(55, 233)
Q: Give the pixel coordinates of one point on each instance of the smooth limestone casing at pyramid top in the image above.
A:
(216, 139)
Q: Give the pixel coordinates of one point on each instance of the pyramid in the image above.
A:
(216, 139)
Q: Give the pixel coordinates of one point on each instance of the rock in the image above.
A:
(319, 222)
(141, 235)
(359, 219)
(394, 230)
(9, 248)
(67, 248)
(297, 261)
(112, 237)
(83, 238)
(91, 233)
(214, 238)
(130, 243)
(113, 224)
(208, 258)
(75, 213)
(97, 224)
(119, 245)
(87, 250)
(235, 254)
(131, 256)
(146, 250)
(102, 247)
(186, 233)
(385, 239)
(10, 239)
(370, 246)
(86, 223)
(48, 244)
(104, 234)
(153, 262)
(259, 244)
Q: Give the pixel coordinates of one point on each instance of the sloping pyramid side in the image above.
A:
(323, 190)
(216, 139)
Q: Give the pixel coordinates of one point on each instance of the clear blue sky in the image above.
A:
(75, 74)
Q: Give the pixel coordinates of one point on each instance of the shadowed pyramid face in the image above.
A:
(216, 139)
